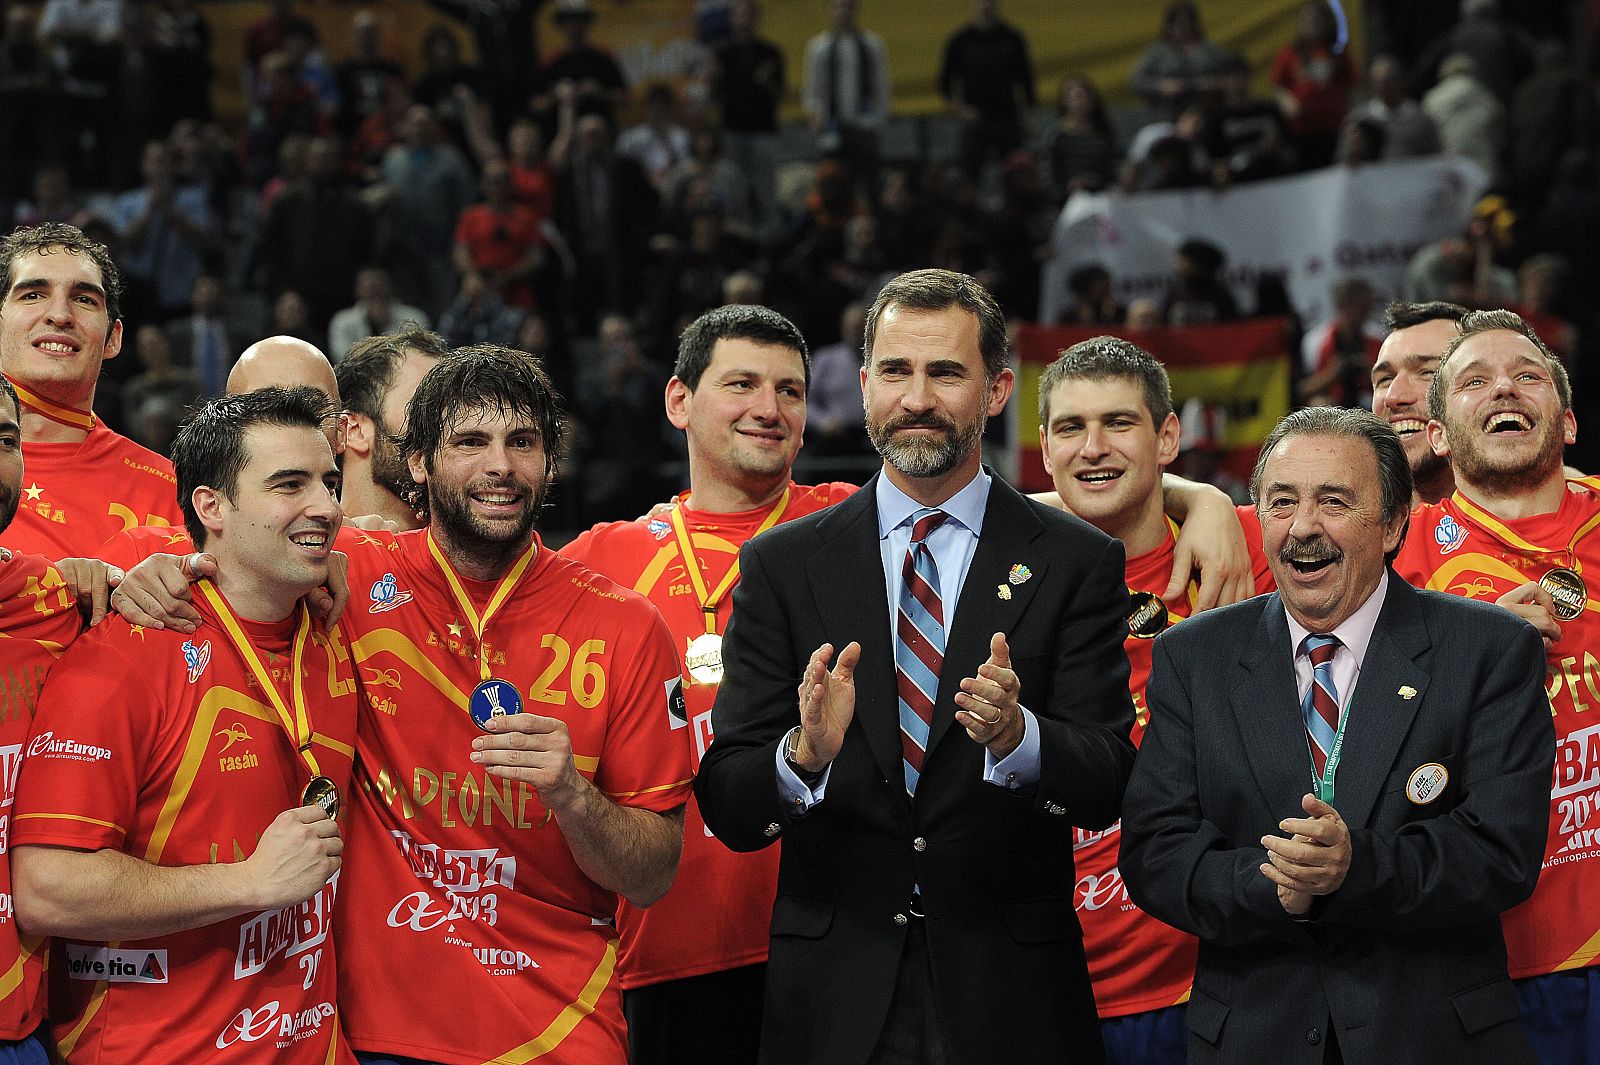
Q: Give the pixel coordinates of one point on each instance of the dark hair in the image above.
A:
(1394, 471)
(1403, 315)
(209, 450)
(11, 393)
(50, 235)
(1084, 278)
(484, 376)
(1103, 358)
(367, 373)
(738, 321)
(1476, 322)
(936, 290)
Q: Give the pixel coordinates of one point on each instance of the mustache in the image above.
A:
(929, 420)
(1318, 550)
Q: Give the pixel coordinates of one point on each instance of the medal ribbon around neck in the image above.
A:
(1502, 532)
(68, 416)
(502, 592)
(296, 724)
(710, 601)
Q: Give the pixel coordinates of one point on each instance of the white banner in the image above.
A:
(1312, 229)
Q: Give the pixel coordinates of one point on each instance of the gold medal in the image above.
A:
(1147, 615)
(1568, 591)
(703, 659)
(324, 793)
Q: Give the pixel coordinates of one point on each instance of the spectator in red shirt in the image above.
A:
(500, 239)
(532, 181)
(1313, 81)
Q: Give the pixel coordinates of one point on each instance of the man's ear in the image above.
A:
(360, 433)
(209, 505)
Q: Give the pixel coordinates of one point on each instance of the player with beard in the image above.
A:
(1106, 432)
(377, 380)
(517, 768)
(1501, 412)
(1407, 361)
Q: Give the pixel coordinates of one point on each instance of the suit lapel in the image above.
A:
(851, 570)
(1380, 716)
(1009, 528)
(1266, 710)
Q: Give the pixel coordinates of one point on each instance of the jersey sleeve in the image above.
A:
(35, 604)
(91, 738)
(644, 763)
(1260, 569)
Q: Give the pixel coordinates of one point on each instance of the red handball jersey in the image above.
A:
(37, 622)
(463, 892)
(130, 547)
(1454, 546)
(163, 746)
(1136, 962)
(719, 910)
(75, 496)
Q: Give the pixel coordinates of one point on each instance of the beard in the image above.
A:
(485, 542)
(1503, 474)
(924, 456)
(390, 472)
(9, 501)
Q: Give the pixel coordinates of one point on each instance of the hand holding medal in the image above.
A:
(534, 749)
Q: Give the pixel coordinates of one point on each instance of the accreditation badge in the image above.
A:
(324, 793)
(1147, 615)
(703, 659)
(493, 698)
(1568, 591)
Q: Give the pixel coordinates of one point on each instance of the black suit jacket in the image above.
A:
(1407, 957)
(994, 867)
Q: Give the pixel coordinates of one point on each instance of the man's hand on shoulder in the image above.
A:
(1533, 604)
(90, 582)
(155, 593)
(1211, 544)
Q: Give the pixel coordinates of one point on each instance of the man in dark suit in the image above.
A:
(1359, 922)
(925, 788)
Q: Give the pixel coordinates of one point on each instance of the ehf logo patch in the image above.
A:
(196, 658)
(1448, 535)
(658, 528)
(386, 595)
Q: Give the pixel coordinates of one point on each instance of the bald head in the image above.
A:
(286, 362)
(283, 362)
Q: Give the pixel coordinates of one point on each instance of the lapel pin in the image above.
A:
(1019, 574)
(1407, 692)
(1004, 593)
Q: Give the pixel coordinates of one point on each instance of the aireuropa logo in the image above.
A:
(45, 745)
(250, 1025)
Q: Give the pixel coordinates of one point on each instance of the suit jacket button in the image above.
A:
(773, 829)
(900, 919)
(1313, 1037)
(919, 844)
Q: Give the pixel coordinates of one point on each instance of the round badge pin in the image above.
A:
(1568, 591)
(1426, 783)
(703, 659)
(493, 698)
(1147, 615)
(324, 793)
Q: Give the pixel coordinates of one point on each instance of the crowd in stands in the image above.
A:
(532, 196)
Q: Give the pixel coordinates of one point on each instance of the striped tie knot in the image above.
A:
(1320, 707)
(1320, 649)
(927, 521)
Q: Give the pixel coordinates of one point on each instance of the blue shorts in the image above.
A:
(29, 1051)
(1157, 1037)
(1561, 1014)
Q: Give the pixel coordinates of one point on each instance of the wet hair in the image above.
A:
(210, 450)
(484, 377)
(936, 290)
(52, 236)
(1106, 358)
(743, 321)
